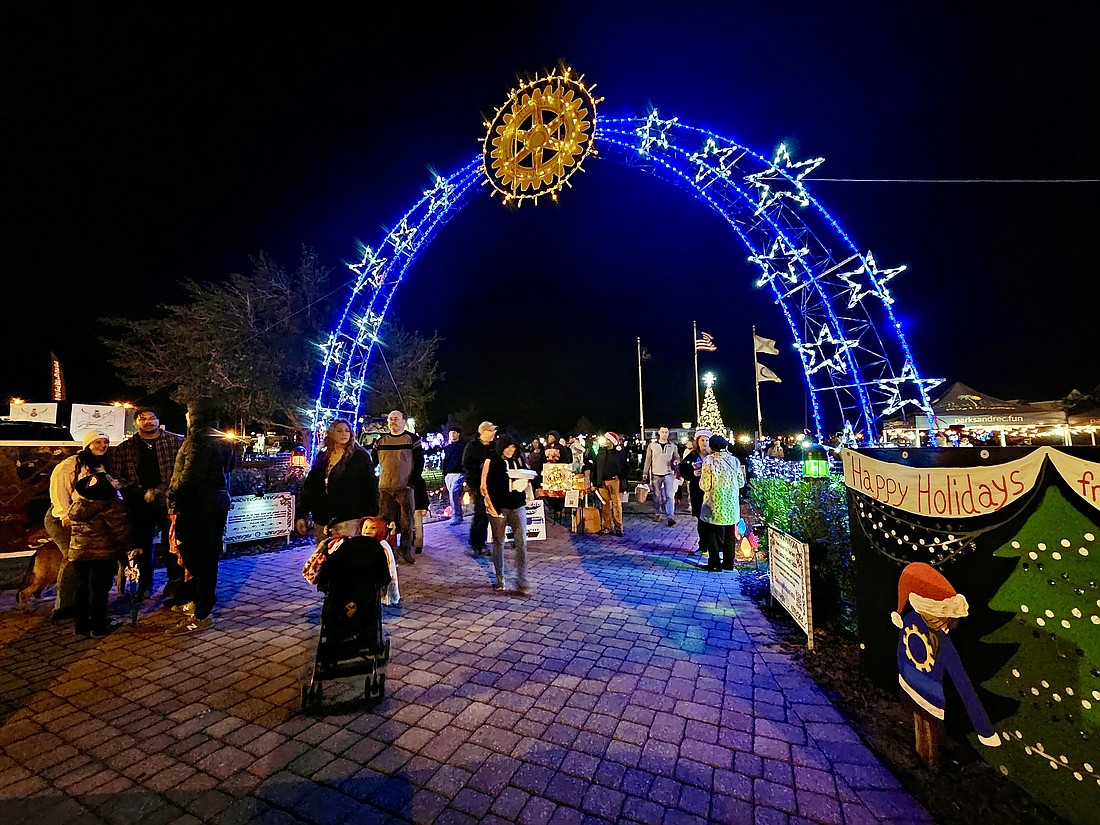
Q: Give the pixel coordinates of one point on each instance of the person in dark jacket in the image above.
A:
(507, 507)
(100, 538)
(691, 469)
(611, 478)
(453, 474)
(473, 460)
(340, 486)
(198, 504)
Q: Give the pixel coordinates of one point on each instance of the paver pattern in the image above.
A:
(630, 686)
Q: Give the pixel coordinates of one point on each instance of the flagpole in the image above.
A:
(756, 375)
(695, 351)
(641, 409)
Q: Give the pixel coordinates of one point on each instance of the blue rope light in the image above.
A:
(762, 228)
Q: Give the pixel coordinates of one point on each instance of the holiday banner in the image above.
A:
(963, 492)
(977, 600)
(46, 413)
(99, 417)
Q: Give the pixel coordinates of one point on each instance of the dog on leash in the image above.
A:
(42, 573)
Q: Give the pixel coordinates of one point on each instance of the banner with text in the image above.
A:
(961, 492)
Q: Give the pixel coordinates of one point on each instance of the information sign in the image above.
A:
(252, 518)
(789, 568)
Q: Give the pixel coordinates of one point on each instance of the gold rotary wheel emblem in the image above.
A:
(929, 661)
(540, 137)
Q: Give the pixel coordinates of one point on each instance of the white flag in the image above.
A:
(765, 374)
(764, 345)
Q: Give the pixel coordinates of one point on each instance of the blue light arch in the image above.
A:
(833, 295)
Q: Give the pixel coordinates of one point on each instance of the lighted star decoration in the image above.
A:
(332, 350)
(782, 260)
(814, 352)
(654, 131)
(439, 196)
(402, 237)
(709, 379)
(785, 173)
(371, 269)
(906, 390)
(873, 283)
(714, 160)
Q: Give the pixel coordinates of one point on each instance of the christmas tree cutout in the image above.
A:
(1051, 745)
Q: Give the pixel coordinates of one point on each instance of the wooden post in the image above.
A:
(927, 740)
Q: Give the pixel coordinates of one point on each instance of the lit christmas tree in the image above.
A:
(711, 417)
(1052, 743)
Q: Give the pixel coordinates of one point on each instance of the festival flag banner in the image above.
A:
(57, 379)
(765, 374)
(764, 345)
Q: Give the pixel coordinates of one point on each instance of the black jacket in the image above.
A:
(352, 490)
(473, 459)
(498, 484)
(687, 472)
(200, 479)
(610, 464)
(452, 458)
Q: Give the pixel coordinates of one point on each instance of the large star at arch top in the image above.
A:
(906, 390)
(787, 175)
(825, 340)
(782, 259)
(654, 130)
(722, 164)
(873, 283)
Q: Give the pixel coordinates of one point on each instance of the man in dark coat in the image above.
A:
(610, 478)
(198, 504)
(143, 464)
(474, 457)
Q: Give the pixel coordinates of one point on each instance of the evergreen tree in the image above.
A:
(711, 416)
(1050, 743)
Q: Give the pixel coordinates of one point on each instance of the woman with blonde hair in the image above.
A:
(340, 486)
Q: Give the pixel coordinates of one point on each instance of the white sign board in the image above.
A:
(536, 522)
(789, 569)
(46, 413)
(109, 420)
(572, 499)
(252, 518)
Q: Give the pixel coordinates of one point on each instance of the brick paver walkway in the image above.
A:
(630, 686)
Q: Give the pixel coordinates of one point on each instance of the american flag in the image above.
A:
(705, 343)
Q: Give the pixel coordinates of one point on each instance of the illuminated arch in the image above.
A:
(832, 293)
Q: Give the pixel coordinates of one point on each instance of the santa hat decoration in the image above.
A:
(613, 439)
(925, 587)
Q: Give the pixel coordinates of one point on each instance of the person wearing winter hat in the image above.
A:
(926, 654)
(721, 479)
(57, 522)
(610, 477)
(100, 538)
(691, 468)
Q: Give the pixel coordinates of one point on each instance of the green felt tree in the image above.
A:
(1051, 745)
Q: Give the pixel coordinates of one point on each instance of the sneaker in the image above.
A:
(618, 533)
(523, 589)
(603, 532)
(191, 625)
(672, 522)
(419, 550)
(499, 586)
(188, 608)
(60, 614)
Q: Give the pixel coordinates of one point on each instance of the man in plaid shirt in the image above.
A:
(143, 463)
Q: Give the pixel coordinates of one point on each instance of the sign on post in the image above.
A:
(252, 518)
(536, 522)
(789, 568)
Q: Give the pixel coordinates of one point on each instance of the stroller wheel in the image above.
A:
(311, 697)
(374, 689)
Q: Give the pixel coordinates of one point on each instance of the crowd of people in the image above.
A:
(108, 504)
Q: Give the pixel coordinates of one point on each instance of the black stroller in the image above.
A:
(354, 574)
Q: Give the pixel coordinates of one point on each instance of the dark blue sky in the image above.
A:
(152, 145)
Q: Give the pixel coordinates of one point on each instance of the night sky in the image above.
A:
(149, 144)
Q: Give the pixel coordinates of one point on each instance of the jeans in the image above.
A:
(199, 534)
(454, 482)
(479, 524)
(664, 491)
(396, 504)
(517, 520)
(611, 517)
(93, 584)
(59, 534)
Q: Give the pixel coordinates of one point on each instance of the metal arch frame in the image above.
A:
(813, 293)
